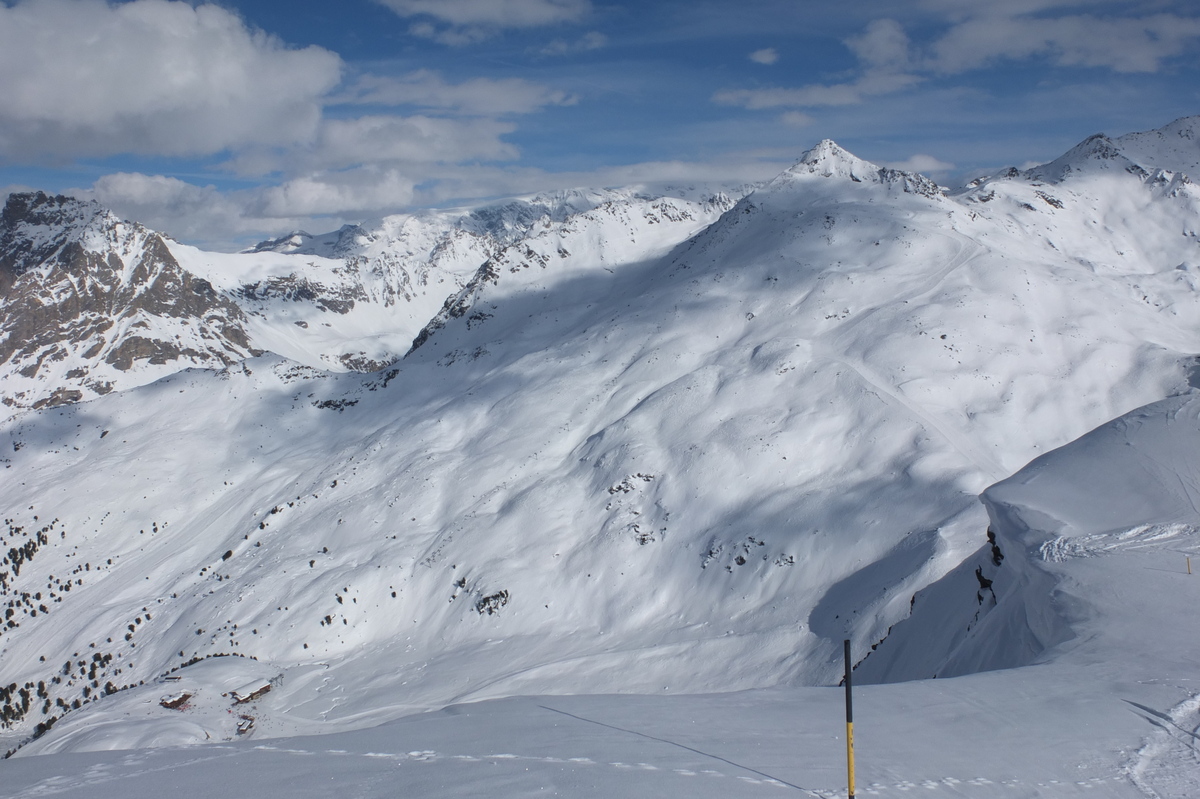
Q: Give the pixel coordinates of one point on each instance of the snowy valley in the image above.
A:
(630, 453)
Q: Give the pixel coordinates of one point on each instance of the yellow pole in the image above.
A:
(849, 723)
(850, 757)
(1189, 560)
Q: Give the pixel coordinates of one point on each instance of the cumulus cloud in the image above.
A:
(83, 77)
(1120, 44)
(367, 189)
(983, 32)
(184, 211)
(920, 162)
(883, 54)
(428, 90)
(225, 220)
(321, 201)
(1115, 34)
(370, 164)
(417, 139)
(882, 46)
(767, 55)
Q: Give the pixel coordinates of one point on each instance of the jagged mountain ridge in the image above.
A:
(506, 222)
(366, 292)
(363, 309)
(697, 471)
(83, 296)
(1171, 147)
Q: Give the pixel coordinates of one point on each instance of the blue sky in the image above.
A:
(224, 123)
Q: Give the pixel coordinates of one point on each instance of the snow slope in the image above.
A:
(357, 298)
(91, 304)
(1111, 712)
(653, 465)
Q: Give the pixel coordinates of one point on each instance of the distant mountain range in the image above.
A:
(595, 440)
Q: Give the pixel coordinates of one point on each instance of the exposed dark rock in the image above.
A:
(457, 305)
(492, 603)
(76, 283)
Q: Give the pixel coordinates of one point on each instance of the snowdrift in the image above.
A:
(1131, 482)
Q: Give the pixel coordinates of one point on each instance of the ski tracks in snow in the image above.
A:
(1168, 764)
(1172, 537)
(375, 774)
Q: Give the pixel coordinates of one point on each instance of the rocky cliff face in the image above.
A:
(89, 303)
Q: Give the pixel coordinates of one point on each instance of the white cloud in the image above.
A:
(417, 139)
(958, 10)
(452, 36)
(592, 40)
(494, 13)
(817, 94)
(883, 54)
(369, 189)
(812, 95)
(983, 32)
(767, 55)
(462, 183)
(920, 162)
(200, 214)
(85, 78)
(882, 46)
(479, 96)
(471, 21)
(325, 200)
(1120, 44)
(385, 140)
(203, 215)
(371, 164)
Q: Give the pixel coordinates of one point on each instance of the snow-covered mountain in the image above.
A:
(356, 299)
(642, 444)
(89, 304)
(1108, 522)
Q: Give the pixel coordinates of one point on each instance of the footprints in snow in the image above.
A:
(432, 756)
(947, 786)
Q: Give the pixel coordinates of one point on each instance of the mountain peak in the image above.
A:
(828, 159)
(39, 208)
(1174, 147)
(301, 242)
(86, 298)
(35, 225)
(1096, 153)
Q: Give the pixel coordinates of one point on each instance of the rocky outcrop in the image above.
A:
(89, 302)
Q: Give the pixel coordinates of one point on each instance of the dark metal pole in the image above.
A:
(849, 723)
